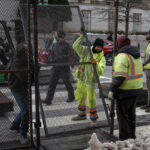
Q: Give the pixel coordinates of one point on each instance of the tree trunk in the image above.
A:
(127, 17)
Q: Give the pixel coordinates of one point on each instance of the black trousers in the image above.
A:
(56, 74)
(126, 115)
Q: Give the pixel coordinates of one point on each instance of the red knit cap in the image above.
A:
(122, 41)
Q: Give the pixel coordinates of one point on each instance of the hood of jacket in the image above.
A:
(131, 50)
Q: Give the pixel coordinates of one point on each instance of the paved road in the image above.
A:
(58, 115)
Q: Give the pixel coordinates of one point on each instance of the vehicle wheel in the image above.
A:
(109, 59)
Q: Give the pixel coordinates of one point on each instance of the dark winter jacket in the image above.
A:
(49, 43)
(117, 81)
(19, 81)
(61, 53)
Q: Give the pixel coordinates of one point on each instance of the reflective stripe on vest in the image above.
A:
(134, 77)
(134, 74)
(125, 74)
(132, 64)
(120, 73)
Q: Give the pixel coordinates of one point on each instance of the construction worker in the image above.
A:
(18, 84)
(86, 79)
(127, 84)
(146, 65)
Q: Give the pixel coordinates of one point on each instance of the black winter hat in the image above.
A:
(98, 42)
(61, 34)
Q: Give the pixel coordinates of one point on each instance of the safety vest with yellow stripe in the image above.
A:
(85, 73)
(127, 66)
(146, 57)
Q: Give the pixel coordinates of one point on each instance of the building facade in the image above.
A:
(98, 15)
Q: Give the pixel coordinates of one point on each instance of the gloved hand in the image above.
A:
(110, 95)
(93, 61)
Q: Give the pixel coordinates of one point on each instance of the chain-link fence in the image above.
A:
(60, 89)
(58, 63)
(15, 78)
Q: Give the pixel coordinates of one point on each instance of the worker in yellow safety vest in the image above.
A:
(86, 86)
(127, 84)
(146, 65)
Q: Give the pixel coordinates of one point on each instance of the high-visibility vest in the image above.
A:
(85, 73)
(146, 57)
(127, 66)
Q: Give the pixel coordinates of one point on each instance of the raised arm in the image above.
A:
(78, 47)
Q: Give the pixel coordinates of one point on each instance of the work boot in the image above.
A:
(147, 110)
(78, 118)
(145, 107)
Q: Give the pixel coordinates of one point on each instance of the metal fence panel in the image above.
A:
(57, 116)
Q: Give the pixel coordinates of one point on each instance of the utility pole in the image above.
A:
(116, 4)
(127, 17)
(37, 124)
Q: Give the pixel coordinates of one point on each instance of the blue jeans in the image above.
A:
(22, 119)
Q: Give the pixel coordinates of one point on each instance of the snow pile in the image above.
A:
(141, 143)
(94, 143)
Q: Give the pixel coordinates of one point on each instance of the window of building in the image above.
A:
(137, 22)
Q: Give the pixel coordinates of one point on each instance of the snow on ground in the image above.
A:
(140, 143)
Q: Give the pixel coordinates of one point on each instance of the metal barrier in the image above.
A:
(56, 118)
(15, 83)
